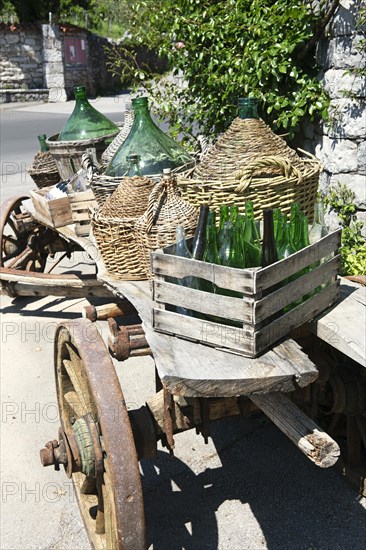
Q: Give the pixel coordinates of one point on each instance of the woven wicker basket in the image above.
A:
(250, 162)
(166, 210)
(68, 154)
(43, 170)
(119, 139)
(113, 228)
(103, 186)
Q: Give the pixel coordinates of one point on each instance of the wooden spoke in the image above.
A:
(110, 495)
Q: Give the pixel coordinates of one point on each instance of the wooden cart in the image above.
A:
(100, 442)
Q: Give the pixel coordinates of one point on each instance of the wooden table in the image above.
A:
(343, 326)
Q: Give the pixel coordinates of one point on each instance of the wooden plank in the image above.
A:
(277, 272)
(316, 444)
(204, 302)
(294, 290)
(199, 330)
(344, 325)
(241, 280)
(299, 315)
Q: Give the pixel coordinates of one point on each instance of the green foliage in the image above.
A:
(228, 50)
(29, 11)
(340, 199)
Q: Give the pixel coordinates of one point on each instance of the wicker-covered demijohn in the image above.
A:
(113, 227)
(166, 210)
(250, 162)
(43, 170)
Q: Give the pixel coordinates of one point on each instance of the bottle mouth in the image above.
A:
(139, 102)
(247, 101)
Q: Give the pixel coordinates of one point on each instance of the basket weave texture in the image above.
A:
(103, 186)
(120, 138)
(68, 154)
(166, 210)
(250, 162)
(43, 170)
(113, 227)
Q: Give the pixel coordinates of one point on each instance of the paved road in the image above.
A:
(248, 489)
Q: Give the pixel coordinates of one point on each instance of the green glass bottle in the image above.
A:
(251, 239)
(211, 253)
(294, 212)
(199, 239)
(233, 213)
(224, 216)
(85, 122)
(237, 251)
(247, 107)
(42, 143)
(134, 168)
(269, 251)
(319, 228)
(226, 243)
(156, 149)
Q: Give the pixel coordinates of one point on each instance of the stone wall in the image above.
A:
(21, 60)
(341, 143)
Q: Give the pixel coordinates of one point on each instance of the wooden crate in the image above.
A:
(71, 209)
(259, 315)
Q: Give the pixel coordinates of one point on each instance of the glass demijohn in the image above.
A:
(85, 122)
(156, 149)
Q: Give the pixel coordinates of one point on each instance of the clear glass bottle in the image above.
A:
(181, 249)
(42, 143)
(286, 249)
(86, 122)
(319, 228)
(251, 237)
(156, 149)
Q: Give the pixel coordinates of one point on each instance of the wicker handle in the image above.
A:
(246, 174)
(89, 163)
(157, 196)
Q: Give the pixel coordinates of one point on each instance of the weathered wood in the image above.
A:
(103, 312)
(316, 269)
(127, 341)
(344, 325)
(187, 412)
(310, 255)
(297, 316)
(294, 290)
(28, 283)
(316, 444)
(240, 309)
(178, 267)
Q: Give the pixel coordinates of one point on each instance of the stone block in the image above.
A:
(361, 158)
(52, 55)
(347, 119)
(356, 182)
(344, 52)
(337, 155)
(12, 38)
(56, 94)
(337, 84)
(345, 19)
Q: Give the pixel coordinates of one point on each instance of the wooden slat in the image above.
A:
(241, 280)
(294, 290)
(198, 330)
(296, 317)
(204, 302)
(277, 272)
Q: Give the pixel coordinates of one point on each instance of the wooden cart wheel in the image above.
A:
(19, 238)
(94, 414)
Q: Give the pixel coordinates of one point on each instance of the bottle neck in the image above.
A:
(269, 252)
(247, 108)
(42, 143)
(319, 214)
